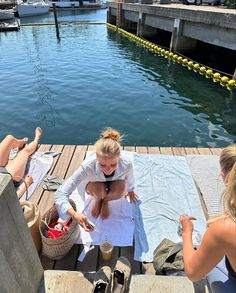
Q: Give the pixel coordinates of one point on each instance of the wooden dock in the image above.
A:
(64, 166)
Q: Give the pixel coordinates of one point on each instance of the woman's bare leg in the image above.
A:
(98, 191)
(9, 143)
(117, 190)
(17, 166)
(26, 184)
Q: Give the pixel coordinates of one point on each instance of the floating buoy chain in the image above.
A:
(190, 64)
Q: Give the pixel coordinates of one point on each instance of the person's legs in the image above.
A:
(218, 280)
(22, 189)
(17, 166)
(9, 143)
(117, 190)
(98, 191)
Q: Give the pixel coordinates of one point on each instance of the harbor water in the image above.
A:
(93, 77)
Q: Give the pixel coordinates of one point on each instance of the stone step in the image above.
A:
(165, 284)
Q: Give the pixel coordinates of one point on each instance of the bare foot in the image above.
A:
(104, 214)
(96, 208)
(19, 143)
(28, 180)
(38, 132)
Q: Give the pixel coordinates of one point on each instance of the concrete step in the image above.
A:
(58, 281)
(165, 284)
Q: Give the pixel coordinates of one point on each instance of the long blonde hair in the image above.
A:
(109, 143)
(228, 167)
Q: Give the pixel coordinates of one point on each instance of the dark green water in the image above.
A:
(94, 78)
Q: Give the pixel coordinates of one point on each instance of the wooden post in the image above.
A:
(55, 18)
(234, 75)
(20, 267)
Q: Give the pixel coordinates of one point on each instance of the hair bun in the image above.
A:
(111, 133)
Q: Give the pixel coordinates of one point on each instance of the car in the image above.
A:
(200, 2)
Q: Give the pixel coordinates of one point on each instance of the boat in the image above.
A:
(9, 25)
(70, 4)
(32, 7)
(6, 14)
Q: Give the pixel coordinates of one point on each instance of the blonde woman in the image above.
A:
(216, 256)
(107, 177)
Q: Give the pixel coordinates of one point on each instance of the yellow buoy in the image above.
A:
(190, 63)
(224, 79)
(232, 83)
(202, 70)
(180, 59)
(171, 54)
(196, 67)
(209, 72)
(216, 76)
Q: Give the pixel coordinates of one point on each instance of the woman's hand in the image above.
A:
(186, 223)
(82, 220)
(132, 195)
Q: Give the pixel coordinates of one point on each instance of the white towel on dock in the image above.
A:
(119, 227)
(166, 190)
(38, 166)
(205, 170)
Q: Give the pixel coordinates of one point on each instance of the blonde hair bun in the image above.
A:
(112, 134)
(108, 143)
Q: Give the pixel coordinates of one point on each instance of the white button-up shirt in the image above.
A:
(89, 171)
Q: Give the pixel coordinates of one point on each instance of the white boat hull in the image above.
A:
(74, 4)
(31, 9)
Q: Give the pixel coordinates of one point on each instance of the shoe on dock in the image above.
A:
(102, 280)
(120, 275)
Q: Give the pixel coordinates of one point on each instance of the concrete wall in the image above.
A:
(131, 16)
(20, 267)
(218, 36)
(215, 26)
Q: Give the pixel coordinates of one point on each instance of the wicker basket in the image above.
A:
(57, 248)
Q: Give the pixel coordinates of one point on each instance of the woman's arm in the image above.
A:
(197, 263)
(65, 209)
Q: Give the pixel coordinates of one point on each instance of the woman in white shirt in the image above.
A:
(108, 176)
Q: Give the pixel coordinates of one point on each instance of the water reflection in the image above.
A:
(45, 102)
(211, 104)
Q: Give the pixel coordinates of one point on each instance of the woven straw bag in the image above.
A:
(33, 219)
(57, 248)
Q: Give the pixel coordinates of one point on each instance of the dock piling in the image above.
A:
(56, 21)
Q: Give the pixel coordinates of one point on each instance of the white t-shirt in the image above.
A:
(89, 171)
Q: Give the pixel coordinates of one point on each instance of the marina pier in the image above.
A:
(186, 24)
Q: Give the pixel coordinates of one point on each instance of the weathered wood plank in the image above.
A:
(154, 150)
(178, 151)
(141, 150)
(216, 151)
(69, 261)
(77, 159)
(90, 262)
(166, 150)
(91, 148)
(204, 151)
(128, 252)
(129, 148)
(60, 170)
(191, 151)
